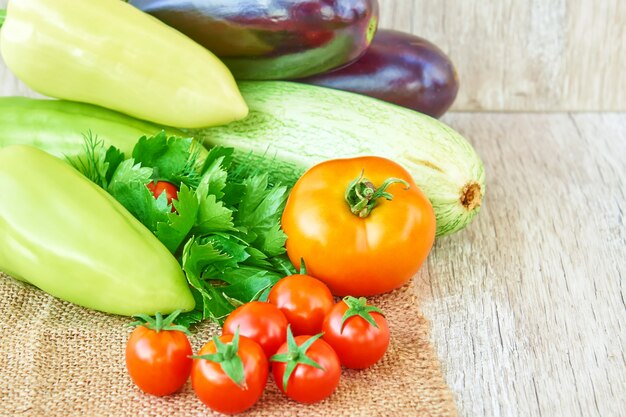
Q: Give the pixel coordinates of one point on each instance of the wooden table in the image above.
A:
(527, 305)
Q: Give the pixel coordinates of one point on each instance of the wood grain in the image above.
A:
(516, 55)
(520, 55)
(527, 305)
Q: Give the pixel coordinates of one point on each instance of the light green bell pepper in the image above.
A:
(65, 235)
(108, 53)
(58, 126)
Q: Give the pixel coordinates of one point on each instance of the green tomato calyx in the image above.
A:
(227, 356)
(302, 267)
(362, 195)
(359, 307)
(158, 323)
(296, 355)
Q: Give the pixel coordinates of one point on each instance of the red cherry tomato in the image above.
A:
(159, 187)
(159, 363)
(304, 300)
(248, 366)
(358, 343)
(262, 322)
(316, 373)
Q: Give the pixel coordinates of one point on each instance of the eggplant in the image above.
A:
(399, 68)
(273, 39)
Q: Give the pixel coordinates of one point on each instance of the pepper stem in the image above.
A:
(3, 16)
(362, 195)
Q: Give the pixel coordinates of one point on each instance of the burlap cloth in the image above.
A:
(57, 359)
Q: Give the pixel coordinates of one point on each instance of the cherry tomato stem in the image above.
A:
(359, 307)
(216, 360)
(227, 357)
(357, 332)
(306, 368)
(297, 354)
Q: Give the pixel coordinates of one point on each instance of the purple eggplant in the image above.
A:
(273, 39)
(402, 69)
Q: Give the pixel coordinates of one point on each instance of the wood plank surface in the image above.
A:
(527, 305)
(552, 55)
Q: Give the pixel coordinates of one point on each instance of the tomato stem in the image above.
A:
(295, 355)
(159, 323)
(3, 16)
(359, 307)
(362, 195)
(227, 356)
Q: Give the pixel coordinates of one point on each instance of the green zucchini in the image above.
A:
(292, 126)
(58, 126)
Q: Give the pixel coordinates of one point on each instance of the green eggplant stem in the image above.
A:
(3, 16)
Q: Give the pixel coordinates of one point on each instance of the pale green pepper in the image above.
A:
(108, 53)
(65, 235)
(58, 126)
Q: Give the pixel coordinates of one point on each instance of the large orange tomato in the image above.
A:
(361, 225)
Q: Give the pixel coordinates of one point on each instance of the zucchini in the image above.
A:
(58, 126)
(291, 127)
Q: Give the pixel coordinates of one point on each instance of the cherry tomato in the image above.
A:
(317, 368)
(357, 332)
(340, 218)
(158, 362)
(240, 387)
(304, 300)
(159, 187)
(262, 322)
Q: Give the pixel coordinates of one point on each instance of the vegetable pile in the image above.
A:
(159, 185)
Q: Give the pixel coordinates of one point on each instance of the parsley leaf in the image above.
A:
(173, 231)
(128, 187)
(173, 159)
(225, 227)
(196, 258)
(259, 213)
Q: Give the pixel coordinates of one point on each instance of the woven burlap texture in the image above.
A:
(58, 359)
